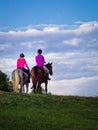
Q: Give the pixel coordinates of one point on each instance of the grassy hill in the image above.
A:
(47, 112)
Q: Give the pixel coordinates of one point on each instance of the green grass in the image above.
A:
(47, 112)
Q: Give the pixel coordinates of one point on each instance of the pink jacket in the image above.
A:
(40, 60)
(21, 63)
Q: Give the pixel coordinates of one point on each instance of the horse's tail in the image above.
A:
(16, 81)
(34, 77)
(33, 74)
(35, 82)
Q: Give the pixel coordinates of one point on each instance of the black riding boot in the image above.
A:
(28, 76)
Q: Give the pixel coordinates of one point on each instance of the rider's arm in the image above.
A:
(26, 64)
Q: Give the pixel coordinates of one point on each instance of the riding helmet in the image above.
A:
(22, 55)
(39, 51)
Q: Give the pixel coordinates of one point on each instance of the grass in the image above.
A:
(47, 112)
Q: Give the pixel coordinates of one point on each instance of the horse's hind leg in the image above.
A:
(46, 88)
(23, 89)
(34, 84)
(20, 90)
(27, 88)
(39, 87)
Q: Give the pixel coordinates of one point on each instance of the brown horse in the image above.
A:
(39, 76)
(19, 77)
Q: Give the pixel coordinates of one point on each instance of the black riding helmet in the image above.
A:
(39, 51)
(22, 55)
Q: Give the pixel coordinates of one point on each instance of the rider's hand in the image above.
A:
(28, 69)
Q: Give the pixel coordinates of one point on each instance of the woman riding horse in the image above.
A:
(21, 64)
(39, 76)
(21, 75)
(40, 61)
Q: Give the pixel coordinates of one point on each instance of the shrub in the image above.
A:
(5, 83)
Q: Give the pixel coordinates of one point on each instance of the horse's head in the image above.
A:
(49, 66)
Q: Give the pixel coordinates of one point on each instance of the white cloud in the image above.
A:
(73, 52)
(32, 31)
(7, 64)
(26, 44)
(76, 87)
(87, 27)
(5, 46)
(51, 29)
(74, 41)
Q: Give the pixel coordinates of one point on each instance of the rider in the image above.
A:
(40, 61)
(21, 64)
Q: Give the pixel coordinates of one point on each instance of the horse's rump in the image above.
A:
(19, 77)
(33, 74)
(37, 72)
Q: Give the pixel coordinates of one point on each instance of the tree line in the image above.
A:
(5, 83)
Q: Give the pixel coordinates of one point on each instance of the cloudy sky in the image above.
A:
(66, 31)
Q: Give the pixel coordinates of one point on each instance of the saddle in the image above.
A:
(39, 68)
(26, 73)
(36, 68)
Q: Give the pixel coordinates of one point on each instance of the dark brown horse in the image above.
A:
(39, 76)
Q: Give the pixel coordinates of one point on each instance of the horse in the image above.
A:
(39, 76)
(19, 77)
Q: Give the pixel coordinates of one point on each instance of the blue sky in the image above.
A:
(66, 31)
(18, 13)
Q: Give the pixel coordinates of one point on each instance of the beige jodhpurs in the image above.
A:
(46, 69)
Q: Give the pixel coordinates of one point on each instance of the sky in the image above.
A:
(66, 31)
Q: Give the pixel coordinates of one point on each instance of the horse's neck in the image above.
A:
(47, 66)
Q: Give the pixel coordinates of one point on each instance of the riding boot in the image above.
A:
(28, 77)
